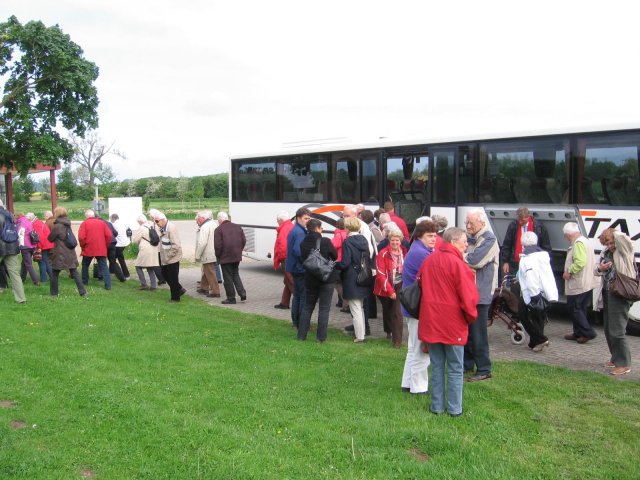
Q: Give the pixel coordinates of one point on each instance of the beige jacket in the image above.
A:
(584, 280)
(147, 253)
(205, 251)
(170, 246)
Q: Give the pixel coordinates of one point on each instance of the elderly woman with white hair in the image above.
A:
(147, 258)
(537, 287)
(170, 253)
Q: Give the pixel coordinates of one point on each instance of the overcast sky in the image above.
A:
(185, 84)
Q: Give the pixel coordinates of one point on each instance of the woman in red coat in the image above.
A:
(389, 263)
(447, 307)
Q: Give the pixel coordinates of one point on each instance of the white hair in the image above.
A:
(421, 219)
(223, 217)
(529, 239)
(30, 216)
(283, 215)
(157, 214)
(142, 218)
(352, 209)
(88, 213)
(482, 216)
(389, 227)
(570, 228)
(384, 218)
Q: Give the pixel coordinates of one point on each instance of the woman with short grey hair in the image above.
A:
(537, 285)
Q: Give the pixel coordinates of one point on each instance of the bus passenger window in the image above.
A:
(608, 171)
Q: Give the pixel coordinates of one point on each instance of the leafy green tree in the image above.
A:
(196, 189)
(47, 83)
(66, 184)
(182, 188)
(24, 188)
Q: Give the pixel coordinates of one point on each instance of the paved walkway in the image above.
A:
(264, 287)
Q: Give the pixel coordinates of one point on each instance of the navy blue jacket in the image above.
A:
(293, 263)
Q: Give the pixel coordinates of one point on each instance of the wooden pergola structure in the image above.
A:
(8, 182)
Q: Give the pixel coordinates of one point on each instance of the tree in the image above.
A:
(88, 154)
(24, 188)
(47, 83)
(66, 184)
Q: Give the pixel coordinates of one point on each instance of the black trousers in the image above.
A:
(171, 272)
(321, 295)
(533, 322)
(113, 265)
(232, 281)
(121, 261)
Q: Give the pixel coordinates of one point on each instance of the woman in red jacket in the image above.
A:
(389, 263)
(447, 307)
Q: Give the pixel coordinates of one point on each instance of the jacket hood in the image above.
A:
(63, 220)
(359, 242)
(531, 249)
(449, 248)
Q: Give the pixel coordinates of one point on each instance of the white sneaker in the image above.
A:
(540, 347)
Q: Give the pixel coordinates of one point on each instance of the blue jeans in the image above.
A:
(102, 265)
(476, 351)
(45, 268)
(451, 357)
(297, 303)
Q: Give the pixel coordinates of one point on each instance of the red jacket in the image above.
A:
(401, 224)
(449, 297)
(43, 234)
(280, 248)
(384, 276)
(339, 236)
(94, 237)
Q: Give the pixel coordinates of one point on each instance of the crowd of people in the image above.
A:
(372, 258)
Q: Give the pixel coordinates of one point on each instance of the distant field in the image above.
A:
(173, 208)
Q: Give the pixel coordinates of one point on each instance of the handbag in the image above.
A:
(317, 265)
(37, 255)
(538, 303)
(365, 274)
(410, 298)
(626, 287)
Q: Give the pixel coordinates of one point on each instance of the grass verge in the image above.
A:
(127, 385)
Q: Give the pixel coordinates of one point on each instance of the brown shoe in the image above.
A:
(213, 295)
(620, 370)
(609, 364)
(570, 336)
(582, 339)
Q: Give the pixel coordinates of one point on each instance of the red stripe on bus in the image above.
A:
(588, 213)
(329, 208)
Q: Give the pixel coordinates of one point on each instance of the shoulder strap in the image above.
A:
(318, 243)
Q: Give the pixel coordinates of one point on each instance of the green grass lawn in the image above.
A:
(126, 385)
(174, 209)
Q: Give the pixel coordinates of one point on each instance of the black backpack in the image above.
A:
(9, 234)
(154, 238)
(70, 239)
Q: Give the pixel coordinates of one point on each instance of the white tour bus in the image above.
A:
(589, 176)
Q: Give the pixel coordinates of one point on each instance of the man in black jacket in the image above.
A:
(512, 248)
(9, 256)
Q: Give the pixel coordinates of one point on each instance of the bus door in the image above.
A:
(407, 184)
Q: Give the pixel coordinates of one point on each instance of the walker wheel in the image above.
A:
(517, 338)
